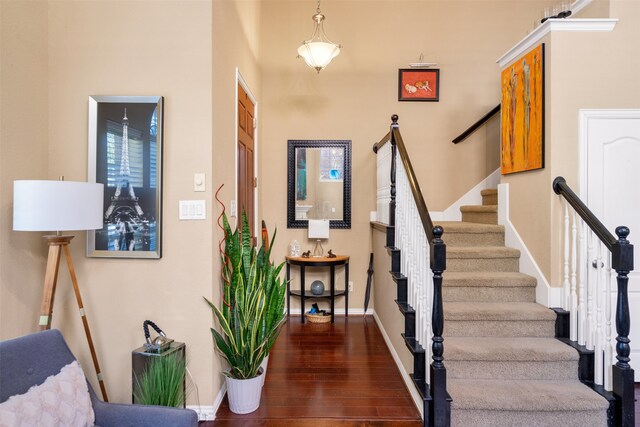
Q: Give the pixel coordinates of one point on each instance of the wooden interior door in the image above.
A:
(246, 144)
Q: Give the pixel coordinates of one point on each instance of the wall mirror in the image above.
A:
(319, 182)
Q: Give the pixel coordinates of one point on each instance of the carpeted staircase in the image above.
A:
(504, 366)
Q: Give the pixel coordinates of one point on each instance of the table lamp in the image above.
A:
(318, 229)
(59, 206)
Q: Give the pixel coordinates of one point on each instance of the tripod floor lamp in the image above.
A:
(59, 206)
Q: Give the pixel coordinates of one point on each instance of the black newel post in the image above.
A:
(440, 410)
(392, 203)
(623, 376)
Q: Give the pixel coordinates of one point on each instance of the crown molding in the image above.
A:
(555, 25)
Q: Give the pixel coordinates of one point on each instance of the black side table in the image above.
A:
(331, 294)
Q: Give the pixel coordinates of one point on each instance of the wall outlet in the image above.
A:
(233, 207)
(350, 286)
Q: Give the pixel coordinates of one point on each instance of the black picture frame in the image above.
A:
(422, 85)
(125, 154)
(293, 170)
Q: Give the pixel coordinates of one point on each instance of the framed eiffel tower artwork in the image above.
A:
(125, 154)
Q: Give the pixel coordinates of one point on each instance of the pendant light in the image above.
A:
(318, 51)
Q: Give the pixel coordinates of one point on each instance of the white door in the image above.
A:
(611, 145)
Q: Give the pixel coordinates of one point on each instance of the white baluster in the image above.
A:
(598, 356)
(565, 283)
(591, 280)
(383, 196)
(608, 339)
(582, 305)
(573, 316)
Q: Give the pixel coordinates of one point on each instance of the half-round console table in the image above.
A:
(331, 294)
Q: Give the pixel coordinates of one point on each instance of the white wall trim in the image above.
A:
(208, 413)
(578, 5)
(545, 294)
(417, 400)
(205, 413)
(339, 311)
(472, 197)
(242, 82)
(587, 25)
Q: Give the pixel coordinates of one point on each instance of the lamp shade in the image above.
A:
(57, 205)
(318, 54)
(318, 228)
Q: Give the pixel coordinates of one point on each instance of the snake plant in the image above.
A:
(251, 312)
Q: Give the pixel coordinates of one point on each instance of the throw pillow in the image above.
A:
(62, 400)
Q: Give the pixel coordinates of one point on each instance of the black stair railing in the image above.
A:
(439, 410)
(474, 127)
(621, 261)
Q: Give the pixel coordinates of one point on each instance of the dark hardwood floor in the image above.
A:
(333, 375)
(327, 375)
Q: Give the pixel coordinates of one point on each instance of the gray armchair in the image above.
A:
(30, 360)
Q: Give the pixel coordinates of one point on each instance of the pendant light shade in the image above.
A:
(318, 51)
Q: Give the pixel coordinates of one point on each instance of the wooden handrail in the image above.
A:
(476, 125)
(622, 262)
(561, 188)
(384, 140)
(423, 211)
(438, 412)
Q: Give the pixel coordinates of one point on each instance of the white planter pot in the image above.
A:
(244, 395)
(264, 369)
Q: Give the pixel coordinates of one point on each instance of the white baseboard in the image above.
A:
(417, 400)
(339, 311)
(472, 197)
(208, 413)
(205, 413)
(545, 294)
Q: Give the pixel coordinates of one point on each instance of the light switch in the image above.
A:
(199, 182)
(192, 209)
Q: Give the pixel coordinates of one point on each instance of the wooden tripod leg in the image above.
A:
(49, 291)
(85, 323)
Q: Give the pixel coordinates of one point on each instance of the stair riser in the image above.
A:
(480, 217)
(499, 328)
(549, 370)
(488, 294)
(483, 264)
(490, 199)
(473, 239)
(486, 418)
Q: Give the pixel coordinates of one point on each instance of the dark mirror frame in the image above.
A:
(292, 144)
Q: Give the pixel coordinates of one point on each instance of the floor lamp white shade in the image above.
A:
(57, 205)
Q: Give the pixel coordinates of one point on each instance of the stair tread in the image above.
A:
(483, 311)
(487, 279)
(482, 252)
(508, 349)
(489, 192)
(468, 227)
(524, 395)
(479, 208)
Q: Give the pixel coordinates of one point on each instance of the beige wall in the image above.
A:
(236, 27)
(23, 155)
(121, 48)
(384, 294)
(356, 95)
(573, 82)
